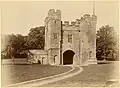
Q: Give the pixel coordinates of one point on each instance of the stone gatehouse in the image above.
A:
(70, 42)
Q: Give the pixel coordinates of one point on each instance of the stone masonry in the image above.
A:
(70, 42)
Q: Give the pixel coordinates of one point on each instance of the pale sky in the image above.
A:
(19, 17)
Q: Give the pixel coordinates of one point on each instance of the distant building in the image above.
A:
(67, 43)
(38, 56)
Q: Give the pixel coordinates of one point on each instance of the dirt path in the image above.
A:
(93, 76)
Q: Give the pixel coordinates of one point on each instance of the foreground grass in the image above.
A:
(92, 76)
(18, 73)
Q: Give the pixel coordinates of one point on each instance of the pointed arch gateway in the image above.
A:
(68, 57)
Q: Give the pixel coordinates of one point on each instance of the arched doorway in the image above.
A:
(43, 60)
(68, 57)
(55, 59)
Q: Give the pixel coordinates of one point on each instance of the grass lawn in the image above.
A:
(92, 76)
(18, 73)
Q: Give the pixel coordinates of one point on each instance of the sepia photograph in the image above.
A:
(60, 43)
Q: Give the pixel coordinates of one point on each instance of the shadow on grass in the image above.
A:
(103, 63)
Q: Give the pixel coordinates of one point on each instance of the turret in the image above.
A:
(54, 14)
(53, 35)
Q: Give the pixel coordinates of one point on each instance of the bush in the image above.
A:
(18, 55)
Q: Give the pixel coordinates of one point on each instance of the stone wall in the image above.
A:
(40, 59)
(54, 56)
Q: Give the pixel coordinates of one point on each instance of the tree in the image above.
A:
(20, 51)
(4, 46)
(106, 42)
(16, 45)
(36, 38)
(12, 46)
(21, 41)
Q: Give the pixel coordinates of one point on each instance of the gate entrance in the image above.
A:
(68, 57)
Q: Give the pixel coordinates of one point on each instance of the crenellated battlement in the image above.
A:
(84, 18)
(87, 17)
(73, 23)
(66, 23)
(55, 14)
(94, 18)
(78, 21)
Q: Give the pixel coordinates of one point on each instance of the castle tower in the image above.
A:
(88, 30)
(53, 36)
(91, 32)
(92, 41)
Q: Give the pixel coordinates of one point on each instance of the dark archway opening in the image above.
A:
(39, 62)
(68, 57)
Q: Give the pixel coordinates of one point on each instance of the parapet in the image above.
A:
(87, 17)
(58, 11)
(78, 21)
(51, 11)
(66, 23)
(54, 14)
(94, 17)
(73, 23)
